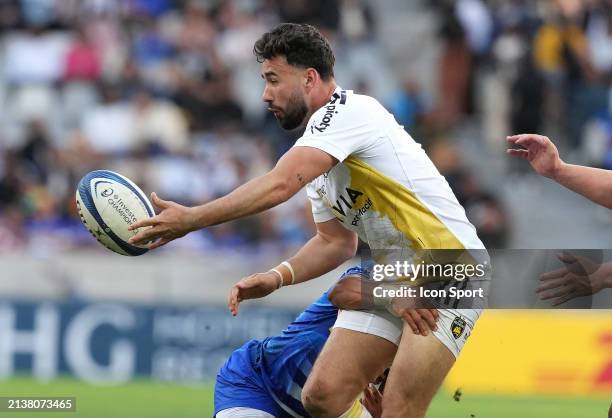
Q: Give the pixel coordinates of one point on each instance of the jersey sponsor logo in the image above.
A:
(362, 210)
(342, 203)
(457, 327)
(330, 111)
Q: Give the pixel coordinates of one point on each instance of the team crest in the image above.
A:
(458, 327)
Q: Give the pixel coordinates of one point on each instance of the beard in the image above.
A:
(294, 114)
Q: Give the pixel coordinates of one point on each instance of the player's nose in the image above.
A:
(266, 96)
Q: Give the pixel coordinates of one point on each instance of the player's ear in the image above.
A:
(311, 77)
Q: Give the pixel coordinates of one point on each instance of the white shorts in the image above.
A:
(243, 413)
(454, 325)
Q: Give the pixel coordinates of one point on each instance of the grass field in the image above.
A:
(154, 400)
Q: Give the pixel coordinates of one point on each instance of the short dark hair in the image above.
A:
(301, 44)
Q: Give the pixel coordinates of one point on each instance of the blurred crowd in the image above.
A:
(530, 66)
(167, 92)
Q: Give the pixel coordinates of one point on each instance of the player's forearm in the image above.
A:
(253, 197)
(319, 256)
(348, 293)
(593, 183)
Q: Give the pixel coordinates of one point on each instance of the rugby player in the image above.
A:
(366, 178)
(264, 379)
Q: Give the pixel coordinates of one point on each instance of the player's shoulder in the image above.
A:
(344, 108)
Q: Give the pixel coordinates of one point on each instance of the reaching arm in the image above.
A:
(347, 293)
(297, 167)
(593, 183)
(332, 246)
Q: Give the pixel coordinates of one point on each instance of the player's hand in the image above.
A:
(579, 277)
(372, 401)
(174, 221)
(421, 321)
(541, 153)
(255, 286)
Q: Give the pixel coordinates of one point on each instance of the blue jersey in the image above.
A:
(269, 375)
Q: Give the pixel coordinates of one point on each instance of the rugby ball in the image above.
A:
(108, 203)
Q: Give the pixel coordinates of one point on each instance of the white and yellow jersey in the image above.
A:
(384, 187)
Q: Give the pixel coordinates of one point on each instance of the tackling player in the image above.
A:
(264, 379)
(366, 178)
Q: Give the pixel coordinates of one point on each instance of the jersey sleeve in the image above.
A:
(320, 211)
(338, 129)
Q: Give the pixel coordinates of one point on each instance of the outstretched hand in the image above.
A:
(173, 221)
(579, 277)
(255, 286)
(541, 153)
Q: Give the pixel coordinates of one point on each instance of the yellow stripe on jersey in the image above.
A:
(402, 207)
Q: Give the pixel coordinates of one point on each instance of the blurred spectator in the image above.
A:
(10, 186)
(38, 13)
(158, 123)
(407, 105)
(324, 14)
(599, 35)
(454, 70)
(209, 102)
(12, 234)
(356, 20)
(35, 56)
(477, 23)
(561, 50)
(9, 14)
(82, 61)
(527, 102)
(37, 153)
(109, 127)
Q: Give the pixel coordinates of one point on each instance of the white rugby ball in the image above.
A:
(108, 203)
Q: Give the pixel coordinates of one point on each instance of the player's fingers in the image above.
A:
(512, 138)
(435, 314)
(234, 300)
(159, 203)
(555, 274)
(551, 284)
(429, 319)
(145, 222)
(159, 243)
(556, 293)
(563, 299)
(408, 319)
(522, 153)
(421, 324)
(531, 139)
(147, 235)
(566, 258)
